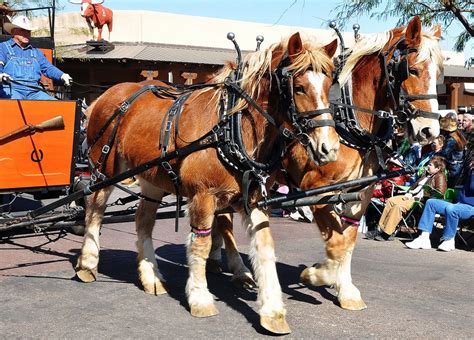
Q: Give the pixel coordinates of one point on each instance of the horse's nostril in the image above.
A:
(426, 132)
(324, 149)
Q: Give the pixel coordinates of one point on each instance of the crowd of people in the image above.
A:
(447, 163)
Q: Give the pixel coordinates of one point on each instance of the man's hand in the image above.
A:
(67, 79)
(5, 78)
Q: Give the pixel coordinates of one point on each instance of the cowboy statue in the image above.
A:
(21, 64)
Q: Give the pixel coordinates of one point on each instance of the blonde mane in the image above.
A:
(258, 64)
(429, 50)
(367, 45)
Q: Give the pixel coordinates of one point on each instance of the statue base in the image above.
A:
(99, 46)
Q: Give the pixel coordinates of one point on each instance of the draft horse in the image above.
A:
(290, 70)
(414, 60)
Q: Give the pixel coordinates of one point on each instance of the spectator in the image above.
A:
(383, 190)
(23, 64)
(453, 212)
(396, 206)
(413, 156)
(436, 150)
(453, 149)
(459, 120)
(468, 127)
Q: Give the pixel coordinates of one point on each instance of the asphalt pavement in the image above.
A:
(409, 293)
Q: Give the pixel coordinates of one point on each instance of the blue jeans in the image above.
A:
(23, 93)
(453, 212)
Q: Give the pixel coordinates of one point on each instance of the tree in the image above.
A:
(430, 12)
(30, 3)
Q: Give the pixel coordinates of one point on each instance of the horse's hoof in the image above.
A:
(155, 288)
(276, 324)
(213, 266)
(204, 311)
(317, 276)
(245, 280)
(352, 304)
(305, 276)
(87, 275)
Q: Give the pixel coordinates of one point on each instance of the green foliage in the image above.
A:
(431, 12)
(21, 4)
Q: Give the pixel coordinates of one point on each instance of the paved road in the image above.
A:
(409, 293)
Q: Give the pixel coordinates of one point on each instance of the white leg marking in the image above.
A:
(263, 258)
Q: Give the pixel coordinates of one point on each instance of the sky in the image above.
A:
(304, 13)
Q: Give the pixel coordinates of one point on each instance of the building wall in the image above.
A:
(110, 72)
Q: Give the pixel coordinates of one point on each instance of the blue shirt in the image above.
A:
(48, 69)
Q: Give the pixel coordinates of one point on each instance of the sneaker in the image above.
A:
(372, 234)
(384, 237)
(447, 245)
(419, 243)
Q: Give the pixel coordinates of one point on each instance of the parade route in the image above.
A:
(409, 293)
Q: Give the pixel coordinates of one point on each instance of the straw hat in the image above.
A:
(18, 22)
(448, 124)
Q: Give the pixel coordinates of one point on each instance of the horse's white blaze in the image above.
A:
(262, 254)
(196, 286)
(323, 133)
(433, 72)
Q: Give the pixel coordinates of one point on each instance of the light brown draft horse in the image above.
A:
(339, 229)
(205, 179)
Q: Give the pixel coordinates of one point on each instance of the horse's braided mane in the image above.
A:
(373, 43)
(258, 64)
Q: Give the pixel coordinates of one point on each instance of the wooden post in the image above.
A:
(189, 76)
(149, 74)
(454, 96)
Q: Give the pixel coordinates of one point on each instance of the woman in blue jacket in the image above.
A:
(453, 212)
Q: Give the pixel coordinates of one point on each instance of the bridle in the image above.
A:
(301, 122)
(396, 71)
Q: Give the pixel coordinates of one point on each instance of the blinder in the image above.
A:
(397, 71)
(302, 122)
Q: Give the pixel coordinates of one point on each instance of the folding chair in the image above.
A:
(410, 220)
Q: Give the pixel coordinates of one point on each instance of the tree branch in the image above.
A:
(449, 4)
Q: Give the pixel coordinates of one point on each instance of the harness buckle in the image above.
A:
(287, 133)
(124, 107)
(105, 149)
(303, 138)
(384, 114)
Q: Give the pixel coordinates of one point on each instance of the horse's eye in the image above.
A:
(299, 89)
(414, 72)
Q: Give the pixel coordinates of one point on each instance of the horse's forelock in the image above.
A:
(314, 57)
(430, 50)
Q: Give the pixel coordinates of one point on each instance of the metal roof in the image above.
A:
(152, 52)
(458, 72)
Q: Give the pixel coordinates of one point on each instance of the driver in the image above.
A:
(23, 64)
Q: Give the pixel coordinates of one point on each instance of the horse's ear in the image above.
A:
(437, 31)
(295, 45)
(331, 48)
(413, 32)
